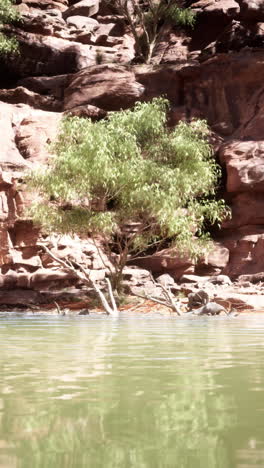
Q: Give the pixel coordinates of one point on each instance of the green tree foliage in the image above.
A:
(132, 180)
(147, 19)
(8, 15)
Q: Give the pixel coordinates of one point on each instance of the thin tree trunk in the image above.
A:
(82, 274)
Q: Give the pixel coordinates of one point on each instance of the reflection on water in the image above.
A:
(143, 392)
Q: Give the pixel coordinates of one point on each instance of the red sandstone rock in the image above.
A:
(235, 37)
(229, 99)
(24, 234)
(227, 90)
(47, 85)
(48, 55)
(91, 112)
(46, 4)
(137, 275)
(9, 154)
(81, 22)
(27, 262)
(5, 180)
(244, 161)
(20, 297)
(82, 8)
(166, 261)
(34, 134)
(50, 279)
(109, 87)
(245, 245)
(252, 10)
(252, 119)
(22, 95)
(47, 23)
(105, 30)
(241, 302)
(247, 209)
(217, 8)
(214, 261)
(5, 244)
(172, 47)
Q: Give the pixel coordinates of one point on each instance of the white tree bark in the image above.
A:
(169, 301)
(84, 276)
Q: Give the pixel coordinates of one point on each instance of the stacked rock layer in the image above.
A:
(78, 58)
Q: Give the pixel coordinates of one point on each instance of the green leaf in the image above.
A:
(131, 168)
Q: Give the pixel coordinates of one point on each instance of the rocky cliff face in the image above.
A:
(77, 57)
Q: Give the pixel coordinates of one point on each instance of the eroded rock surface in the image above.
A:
(78, 58)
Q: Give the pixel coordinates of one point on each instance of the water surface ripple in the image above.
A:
(139, 391)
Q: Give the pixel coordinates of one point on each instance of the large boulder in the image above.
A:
(83, 8)
(21, 95)
(48, 55)
(53, 86)
(109, 87)
(166, 261)
(80, 22)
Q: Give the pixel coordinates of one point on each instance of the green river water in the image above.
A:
(139, 391)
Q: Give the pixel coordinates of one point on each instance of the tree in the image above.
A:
(8, 15)
(147, 18)
(132, 181)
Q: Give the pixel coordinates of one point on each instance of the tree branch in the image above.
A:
(158, 301)
(85, 277)
(169, 299)
(111, 295)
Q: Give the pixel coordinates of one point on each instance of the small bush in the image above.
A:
(8, 15)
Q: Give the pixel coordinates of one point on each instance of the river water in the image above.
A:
(139, 391)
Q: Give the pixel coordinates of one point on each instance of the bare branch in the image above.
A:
(58, 308)
(85, 277)
(111, 295)
(99, 253)
(57, 259)
(158, 301)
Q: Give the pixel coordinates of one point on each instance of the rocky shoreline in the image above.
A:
(242, 296)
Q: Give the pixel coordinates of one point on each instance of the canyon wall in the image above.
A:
(78, 58)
